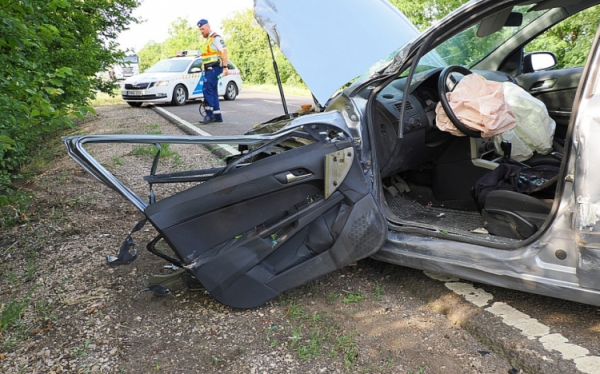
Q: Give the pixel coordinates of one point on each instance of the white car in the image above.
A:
(176, 80)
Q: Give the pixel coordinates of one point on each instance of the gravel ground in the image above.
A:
(64, 310)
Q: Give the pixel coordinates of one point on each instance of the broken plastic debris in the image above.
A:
(479, 230)
(589, 213)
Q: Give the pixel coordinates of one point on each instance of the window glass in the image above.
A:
(169, 66)
(196, 64)
(570, 40)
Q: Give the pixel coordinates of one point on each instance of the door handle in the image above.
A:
(295, 178)
(292, 177)
(543, 85)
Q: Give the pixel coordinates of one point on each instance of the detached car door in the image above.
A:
(263, 225)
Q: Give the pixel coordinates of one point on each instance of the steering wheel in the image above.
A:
(443, 89)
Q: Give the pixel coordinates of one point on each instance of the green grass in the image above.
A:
(333, 297)
(11, 314)
(353, 297)
(313, 345)
(346, 346)
(104, 99)
(312, 334)
(377, 293)
(82, 351)
(295, 311)
(150, 151)
(11, 321)
(117, 161)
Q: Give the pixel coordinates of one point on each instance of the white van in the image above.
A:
(128, 68)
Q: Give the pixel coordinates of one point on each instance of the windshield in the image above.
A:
(169, 66)
(467, 49)
(133, 59)
(464, 48)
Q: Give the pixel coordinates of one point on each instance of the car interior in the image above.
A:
(434, 180)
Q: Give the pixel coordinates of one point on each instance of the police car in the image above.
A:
(176, 80)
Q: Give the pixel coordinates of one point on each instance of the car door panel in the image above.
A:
(254, 232)
(556, 89)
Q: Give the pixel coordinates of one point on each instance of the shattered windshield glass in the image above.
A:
(464, 48)
(467, 49)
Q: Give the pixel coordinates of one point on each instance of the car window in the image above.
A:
(196, 64)
(467, 49)
(570, 40)
(169, 66)
(230, 65)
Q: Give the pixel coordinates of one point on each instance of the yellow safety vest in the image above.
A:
(210, 56)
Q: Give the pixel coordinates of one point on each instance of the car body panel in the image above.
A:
(324, 42)
(556, 89)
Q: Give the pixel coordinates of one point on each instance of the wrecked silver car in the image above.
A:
(373, 173)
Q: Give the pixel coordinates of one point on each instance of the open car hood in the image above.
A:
(329, 43)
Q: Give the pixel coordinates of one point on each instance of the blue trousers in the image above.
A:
(211, 93)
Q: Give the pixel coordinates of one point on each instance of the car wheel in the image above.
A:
(231, 91)
(179, 95)
(134, 104)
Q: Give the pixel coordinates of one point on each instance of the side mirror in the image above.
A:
(195, 70)
(537, 61)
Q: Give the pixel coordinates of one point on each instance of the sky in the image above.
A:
(157, 16)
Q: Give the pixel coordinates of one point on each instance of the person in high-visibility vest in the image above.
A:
(214, 60)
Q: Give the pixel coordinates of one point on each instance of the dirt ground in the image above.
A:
(64, 310)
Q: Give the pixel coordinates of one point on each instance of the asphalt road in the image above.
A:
(248, 109)
(537, 332)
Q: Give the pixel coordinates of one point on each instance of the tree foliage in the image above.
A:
(181, 37)
(248, 47)
(571, 39)
(423, 13)
(50, 52)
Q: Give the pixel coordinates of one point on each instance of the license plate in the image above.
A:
(134, 93)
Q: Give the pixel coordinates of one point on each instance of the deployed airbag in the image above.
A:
(480, 105)
(504, 111)
(535, 128)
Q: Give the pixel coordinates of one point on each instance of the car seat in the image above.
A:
(504, 198)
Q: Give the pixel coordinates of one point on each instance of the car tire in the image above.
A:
(180, 95)
(134, 104)
(231, 91)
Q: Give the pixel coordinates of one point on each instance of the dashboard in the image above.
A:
(416, 140)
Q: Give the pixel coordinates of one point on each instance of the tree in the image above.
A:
(181, 37)
(50, 52)
(248, 47)
(571, 39)
(423, 13)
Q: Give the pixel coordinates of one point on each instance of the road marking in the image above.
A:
(470, 293)
(225, 147)
(530, 327)
(279, 102)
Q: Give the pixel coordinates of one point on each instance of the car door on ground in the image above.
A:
(269, 226)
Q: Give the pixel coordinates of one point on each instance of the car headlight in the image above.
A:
(162, 83)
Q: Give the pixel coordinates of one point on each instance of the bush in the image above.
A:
(50, 52)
